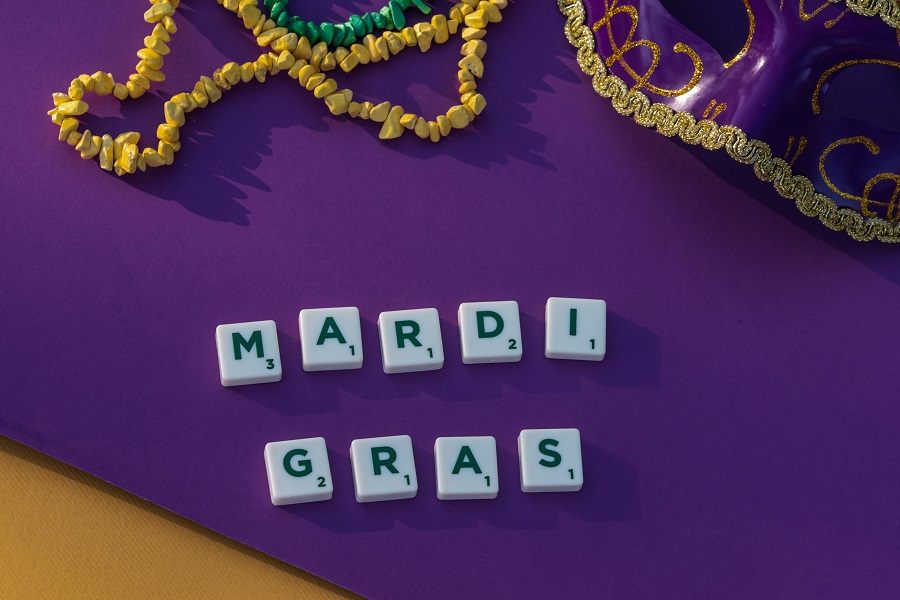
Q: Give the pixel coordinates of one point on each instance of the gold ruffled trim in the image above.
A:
(713, 136)
(888, 10)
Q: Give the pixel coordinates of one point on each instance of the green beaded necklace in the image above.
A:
(390, 17)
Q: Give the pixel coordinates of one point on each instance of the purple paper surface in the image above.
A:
(740, 440)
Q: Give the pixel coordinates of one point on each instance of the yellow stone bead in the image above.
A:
(259, 70)
(87, 82)
(68, 126)
(303, 51)
(421, 128)
(467, 87)
(84, 143)
(337, 103)
(153, 60)
(94, 148)
(167, 133)
(424, 35)
(354, 108)
(441, 32)
(247, 71)
(392, 128)
(153, 158)
(135, 90)
(477, 20)
(199, 95)
(160, 32)
(369, 43)
(169, 24)
(174, 114)
(76, 90)
(408, 120)
(128, 160)
(287, 42)
(318, 54)
(103, 83)
(231, 5)
(260, 24)
(158, 11)
(106, 153)
(73, 108)
(361, 53)
(459, 117)
(409, 36)
(490, 11)
(464, 98)
(365, 110)
(395, 43)
(476, 103)
(471, 33)
(152, 74)
(267, 37)
(340, 54)
(455, 15)
(328, 63)
(466, 10)
(380, 112)
(140, 80)
(167, 151)
(315, 81)
(157, 45)
(294, 71)
(476, 47)
(120, 91)
(56, 117)
(251, 16)
(232, 72)
(285, 60)
(349, 63)
(452, 26)
(473, 65)
(444, 125)
(327, 87)
(501, 4)
(434, 132)
(305, 73)
(382, 48)
(212, 91)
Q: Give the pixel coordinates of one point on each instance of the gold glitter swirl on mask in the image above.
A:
(718, 109)
(713, 136)
(618, 52)
(864, 201)
(801, 146)
(816, 107)
(828, 3)
(746, 47)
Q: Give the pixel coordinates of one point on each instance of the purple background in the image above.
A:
(740, 440)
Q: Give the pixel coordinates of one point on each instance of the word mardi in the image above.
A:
(331, 339)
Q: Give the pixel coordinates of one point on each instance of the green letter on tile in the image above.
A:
(305, 465)
(466, 460)
(387, 462)
(330, 330)
(555, 457)
(482, 331)
(239, 342)
(403, 336)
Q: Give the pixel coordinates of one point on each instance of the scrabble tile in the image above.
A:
(331, 339)
(298, 471)
(466, 468)
(383, 468)
(576, 329)
(411, 340)
(490, 332)
(248, 353)
(550, 460)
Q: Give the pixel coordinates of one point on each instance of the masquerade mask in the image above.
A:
(790, 87)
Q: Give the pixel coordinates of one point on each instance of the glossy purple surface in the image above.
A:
(794, 73)
(740, 439)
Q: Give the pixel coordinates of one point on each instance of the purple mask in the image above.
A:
(805, 91)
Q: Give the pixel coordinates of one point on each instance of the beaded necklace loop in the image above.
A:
(305, 60)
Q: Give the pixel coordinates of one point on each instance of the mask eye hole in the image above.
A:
(864, 93)
(723, 24)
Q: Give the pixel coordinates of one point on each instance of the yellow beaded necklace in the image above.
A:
(288, 52)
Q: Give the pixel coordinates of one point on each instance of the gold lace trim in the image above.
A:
(888, 10)
(713, 136)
